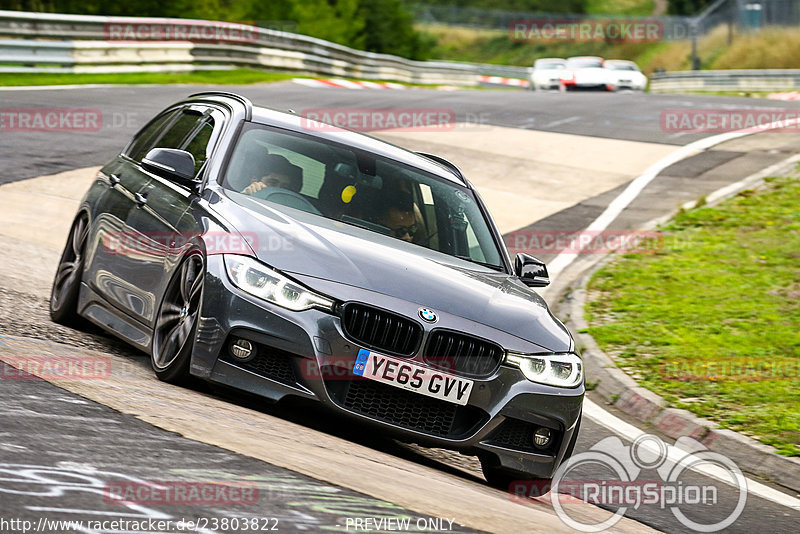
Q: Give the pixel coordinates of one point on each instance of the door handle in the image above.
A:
(114, 179)
(140, 199)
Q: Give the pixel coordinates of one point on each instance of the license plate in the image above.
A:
(406, 375)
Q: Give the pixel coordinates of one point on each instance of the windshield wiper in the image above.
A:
(481, 263)
(366, 225)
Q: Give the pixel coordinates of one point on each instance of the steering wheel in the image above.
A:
(285, 197)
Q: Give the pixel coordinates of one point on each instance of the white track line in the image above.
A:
(752, 179)
(619, 427)
(634, 188)
(597, 413)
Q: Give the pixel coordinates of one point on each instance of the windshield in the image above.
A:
(360, 189)
(622, 66)
(584, 63)
(549, 64)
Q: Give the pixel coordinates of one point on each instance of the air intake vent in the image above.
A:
(518, 435)
(381, 330)
(269, 362)
(406, 409)
(462, 354)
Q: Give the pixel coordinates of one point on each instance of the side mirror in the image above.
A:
(532, 271)
(170, 163)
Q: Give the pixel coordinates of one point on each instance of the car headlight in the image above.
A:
(560, 370)
(255, 278)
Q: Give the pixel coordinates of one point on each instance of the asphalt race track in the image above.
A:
(125, 109)
(57, 448)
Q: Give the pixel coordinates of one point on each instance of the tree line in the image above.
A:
(384, 26)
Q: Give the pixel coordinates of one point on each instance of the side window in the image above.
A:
(190, 129)
(146, 138)
(180, 129)
(199, 143)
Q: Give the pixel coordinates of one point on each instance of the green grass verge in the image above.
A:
(771, 48)
(620, 7)
(222, 77)
(712, 321)
(218, 77)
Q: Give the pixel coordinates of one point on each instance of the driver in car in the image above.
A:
(280, 173)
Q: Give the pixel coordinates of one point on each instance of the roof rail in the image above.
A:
(246, 101)
(444, 163)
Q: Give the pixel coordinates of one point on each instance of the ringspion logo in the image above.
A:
(624, 488)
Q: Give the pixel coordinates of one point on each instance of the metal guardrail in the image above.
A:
(725, 80)
(43, 42)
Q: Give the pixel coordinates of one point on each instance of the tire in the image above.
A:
(67, 281)
(176, 321)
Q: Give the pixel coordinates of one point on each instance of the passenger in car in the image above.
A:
(280, 172)
(397, 185)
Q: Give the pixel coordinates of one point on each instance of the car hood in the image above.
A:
(308, 245)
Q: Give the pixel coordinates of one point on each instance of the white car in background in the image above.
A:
(625, 74)
(585, 72)
(546, 73)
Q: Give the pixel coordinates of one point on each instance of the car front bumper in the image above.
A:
(308, 355)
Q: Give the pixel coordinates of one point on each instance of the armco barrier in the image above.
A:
(44, 42)
(725, 80)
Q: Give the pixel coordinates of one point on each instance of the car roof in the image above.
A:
(595, 58)
(367, 143)
(621, 62)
